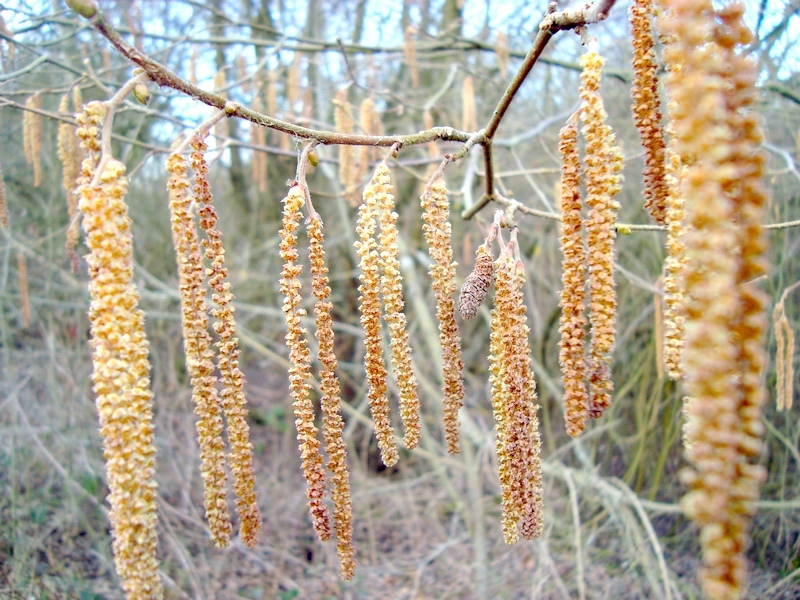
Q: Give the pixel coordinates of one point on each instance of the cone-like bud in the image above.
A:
(475, 286)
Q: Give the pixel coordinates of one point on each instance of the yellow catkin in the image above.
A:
(370, 306)
(501, 50)
(646, 111)
(469, 118)
(437, 230)
(603, 179)
(572, 323)
(293, 84)
(199, 355)
(502, 402)
(392, 292)
(371, 124)
(121, 378)
(24, 298)
(300, 371)
(476, 285)
(515, 404)
(32, 136)
(332, 422)
(3, 207)
(674, 267)
(69, 156)
(723, 355)
(232, 396)
(348, 169)
(784, 356)
(410, 55)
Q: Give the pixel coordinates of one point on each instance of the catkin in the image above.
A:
(32, 136)
(370, 307)
(3, 207)
(392, 293)
(476, 285)
(69, 156)
(199, 355)
(469, 118)
(572, 323)
(603, 179)
(410, 55)
(646, 111)
(371, 124)
(348, 171)
(437, 230)
(24, 298)
(332, 422)
(784, 356)
(502, 52)
(121, 378)
(723, 355)
(232, 396)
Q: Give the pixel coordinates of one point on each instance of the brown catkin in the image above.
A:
(437, 230)
(723, 355)
(469, 118)
(603, 179)
(234, 403)
(32, 135)
(475, 286)
(121, 378)
(646, 111)
(199, 355)
(784, 356)
(501, 50)
(300, 371)
(572, 323)
(392, 292)
(332, 422)
(370, 307)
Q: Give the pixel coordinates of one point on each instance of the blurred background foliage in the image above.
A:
(429, 528)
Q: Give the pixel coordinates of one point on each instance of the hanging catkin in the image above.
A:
(300, 371)
(572, 323)
(723, 355)
(234, 402)
(332, 422)
(437, 230)
(603, 179)
(370, 307)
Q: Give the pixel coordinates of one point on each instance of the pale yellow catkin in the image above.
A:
(501, 50)
(3, 207)
(410, 55)
(24, 297)
(32, 135)
(300, 371)
(199, 355)
(330, 403)
(603, 179)
(723, 355)
(469, 117)
(348, 172)
(392, 293)
(234, 402)
(69, 156)
(370, 307)
(371, 124)
(121, 378)
(572, 322)
(437, 230)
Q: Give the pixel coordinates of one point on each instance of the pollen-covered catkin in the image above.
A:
(646, 111)
(370, 307)
(199, 355)
(392, 293)
(300, 371)
(232, 396)
(723, 355)
(437, 230)
(476, 285)
(121, 378)
(572, 323)
(603, 180)
(69, 156)
(332, 422)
